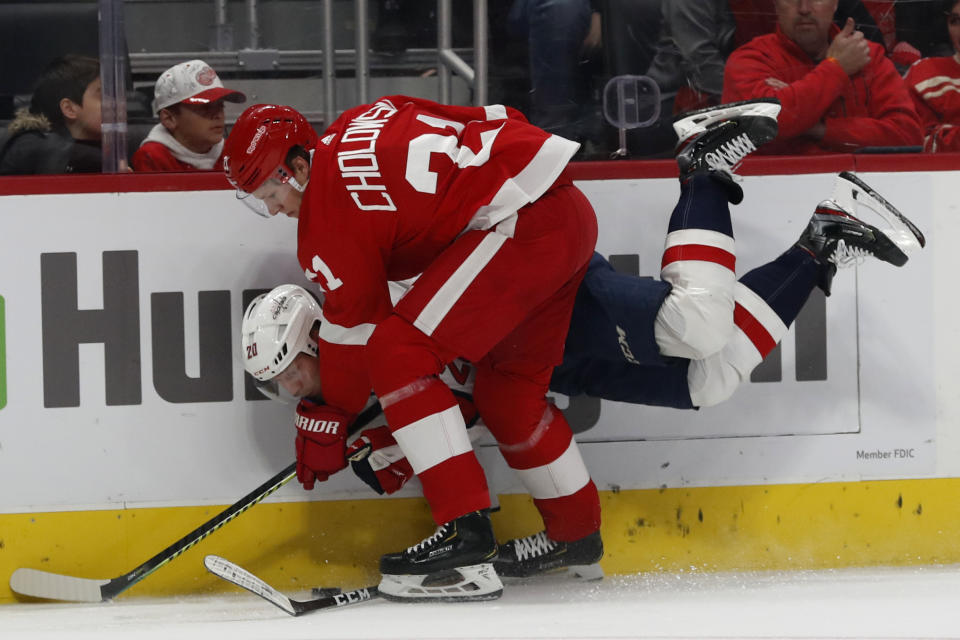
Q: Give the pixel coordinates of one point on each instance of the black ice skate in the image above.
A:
(537, 554)
(453, 564)
(717, 139)
(836, 238)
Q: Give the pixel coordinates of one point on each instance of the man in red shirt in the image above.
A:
(188, 99)
(838, 90)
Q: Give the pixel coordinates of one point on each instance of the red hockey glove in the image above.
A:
(321, 441)
(376, 458)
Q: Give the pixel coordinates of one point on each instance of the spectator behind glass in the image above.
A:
(839, 91)
(758, 18)
(563, 35)
(60, 131)
(934, 85)
(695, 39)
(188, 99)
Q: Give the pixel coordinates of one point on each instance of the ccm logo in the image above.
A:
(317, 426)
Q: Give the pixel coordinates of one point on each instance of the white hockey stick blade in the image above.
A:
(326, 599)
(242, 578)
(54, 586)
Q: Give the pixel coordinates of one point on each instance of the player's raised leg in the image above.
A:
(699, 258)
(715, 140)
(769, 297)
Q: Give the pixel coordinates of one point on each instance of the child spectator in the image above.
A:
(934, 85)
(188, 99)
(60, 131)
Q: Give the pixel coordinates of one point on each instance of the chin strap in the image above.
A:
(293, 181)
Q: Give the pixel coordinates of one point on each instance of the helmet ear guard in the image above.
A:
(276, 327)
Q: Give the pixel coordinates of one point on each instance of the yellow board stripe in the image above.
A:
(300, 545)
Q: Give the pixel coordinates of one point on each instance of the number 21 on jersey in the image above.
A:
(419, 175)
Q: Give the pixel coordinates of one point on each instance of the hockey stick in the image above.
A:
(56, 586)
(239, 576)
(867, 189)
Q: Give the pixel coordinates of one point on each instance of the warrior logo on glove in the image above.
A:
(317, 426)
(321, 443)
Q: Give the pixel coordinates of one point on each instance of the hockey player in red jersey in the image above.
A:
(934, 85)
(472, 201)
(713, 143)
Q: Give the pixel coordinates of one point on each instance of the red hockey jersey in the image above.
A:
(392, 185)
(934, 85)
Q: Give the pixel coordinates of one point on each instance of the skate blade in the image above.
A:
(691, 123)
(587, 572)
(493, 595)
(583, 572)
(853, 195)
(462, 584)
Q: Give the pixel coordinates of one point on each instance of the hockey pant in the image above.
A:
(501, 299)
(716, 328)
(724, 326)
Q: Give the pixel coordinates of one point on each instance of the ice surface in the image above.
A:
(914, 602)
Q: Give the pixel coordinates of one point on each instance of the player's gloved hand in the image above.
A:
(376, 458)
(321, 441)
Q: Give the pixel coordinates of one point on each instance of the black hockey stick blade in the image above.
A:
(55, 586)
(223, 568)
(867, 189)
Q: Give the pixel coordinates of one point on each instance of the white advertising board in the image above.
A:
(150, 414)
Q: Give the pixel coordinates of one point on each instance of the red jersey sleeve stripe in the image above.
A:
(527, 185)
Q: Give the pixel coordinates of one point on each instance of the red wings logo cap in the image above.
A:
(206, 76)
(192, 82)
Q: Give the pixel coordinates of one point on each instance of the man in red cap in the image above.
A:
(188, 99)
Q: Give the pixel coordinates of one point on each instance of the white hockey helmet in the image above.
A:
(276, 328)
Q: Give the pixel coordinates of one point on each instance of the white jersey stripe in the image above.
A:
(563, 477)
(701, 236)
(436, 309)
(495, 112)
(759, 309)
(528, 185)
(434, 439)
(336, 334)
(934, 81)
(930, 95)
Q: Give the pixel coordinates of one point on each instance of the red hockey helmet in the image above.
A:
(259, 142)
